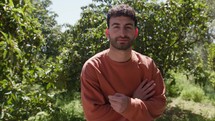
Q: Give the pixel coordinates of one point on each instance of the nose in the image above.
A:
(122, 32)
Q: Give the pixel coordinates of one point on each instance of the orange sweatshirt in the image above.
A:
(101, 77)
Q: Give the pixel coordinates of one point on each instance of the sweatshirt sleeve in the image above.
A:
(95, 107)
(148, 110)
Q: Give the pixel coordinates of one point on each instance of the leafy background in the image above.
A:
(40, 64)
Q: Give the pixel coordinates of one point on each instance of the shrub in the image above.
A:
(175, 82)
(192, 93)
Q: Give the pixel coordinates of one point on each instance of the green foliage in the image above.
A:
(86, 38)
(180, 110)
(193, 93)
(50, 29)
(166, 30)
(172, 86)
(25, 88)
(170, 31)
(37, 60)
(167, 33)
(211, 56)
(175, 83)
(201, 76)
(202, 64)
(211, 6)
(69, 107)
(69, 112)
(212, 79)
(41, 116)
(180, 85)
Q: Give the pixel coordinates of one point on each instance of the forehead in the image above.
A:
(121, 20)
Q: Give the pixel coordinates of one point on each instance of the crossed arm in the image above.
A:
(119, 102)
(146, 103)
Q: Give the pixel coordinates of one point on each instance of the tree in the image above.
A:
(201, 65)
(24, 86)
(50, 28)
(167, 32)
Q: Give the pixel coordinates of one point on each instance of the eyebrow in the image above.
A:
(128, 24)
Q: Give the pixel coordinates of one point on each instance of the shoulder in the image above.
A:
(96, 59)
(94, 62)
(147, 64)
(142, 59)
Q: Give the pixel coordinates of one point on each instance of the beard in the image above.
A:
(121, 46)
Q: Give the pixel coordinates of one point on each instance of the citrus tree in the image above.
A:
(26, 83)
(167, 32)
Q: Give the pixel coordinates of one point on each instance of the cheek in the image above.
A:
(112, 34)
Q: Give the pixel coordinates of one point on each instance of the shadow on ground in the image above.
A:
(177, 114)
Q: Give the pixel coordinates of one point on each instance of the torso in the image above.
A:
(118, 77)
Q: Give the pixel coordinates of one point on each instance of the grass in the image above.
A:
(182, 110)
(191, 102)
(177, 110)
(70, 108)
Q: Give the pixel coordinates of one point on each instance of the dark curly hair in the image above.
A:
(121, 10)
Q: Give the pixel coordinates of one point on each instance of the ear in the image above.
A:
(107, 33)
(136, 32)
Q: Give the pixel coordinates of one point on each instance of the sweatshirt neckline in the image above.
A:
(133, 58)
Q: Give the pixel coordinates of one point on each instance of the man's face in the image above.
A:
(121, 32)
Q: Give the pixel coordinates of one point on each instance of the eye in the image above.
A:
(128, 27)
(116, 27)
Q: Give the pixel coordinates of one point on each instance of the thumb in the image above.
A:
(119, 95)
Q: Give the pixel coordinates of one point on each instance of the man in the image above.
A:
(119, 84)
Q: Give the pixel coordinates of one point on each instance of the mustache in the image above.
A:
(125, 37)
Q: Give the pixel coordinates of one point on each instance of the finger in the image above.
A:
(116, 95)
(111, 98)
(142, 84)
(113, 104)
(148, 85)
(119, 95)
(114, 98)
(150, 88)
(149, 95)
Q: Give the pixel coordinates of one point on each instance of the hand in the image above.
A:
(119, 102)
(145, 90)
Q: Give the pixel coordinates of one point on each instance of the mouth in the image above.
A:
(123, 39)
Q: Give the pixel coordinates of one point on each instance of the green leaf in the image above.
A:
(49, 85)
(5, 35)
(2, 44)
(4, 83)
(11, 3)
(4, 54)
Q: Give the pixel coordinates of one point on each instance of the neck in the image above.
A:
(119, 55)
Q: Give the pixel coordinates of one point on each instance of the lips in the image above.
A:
(123, 39)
